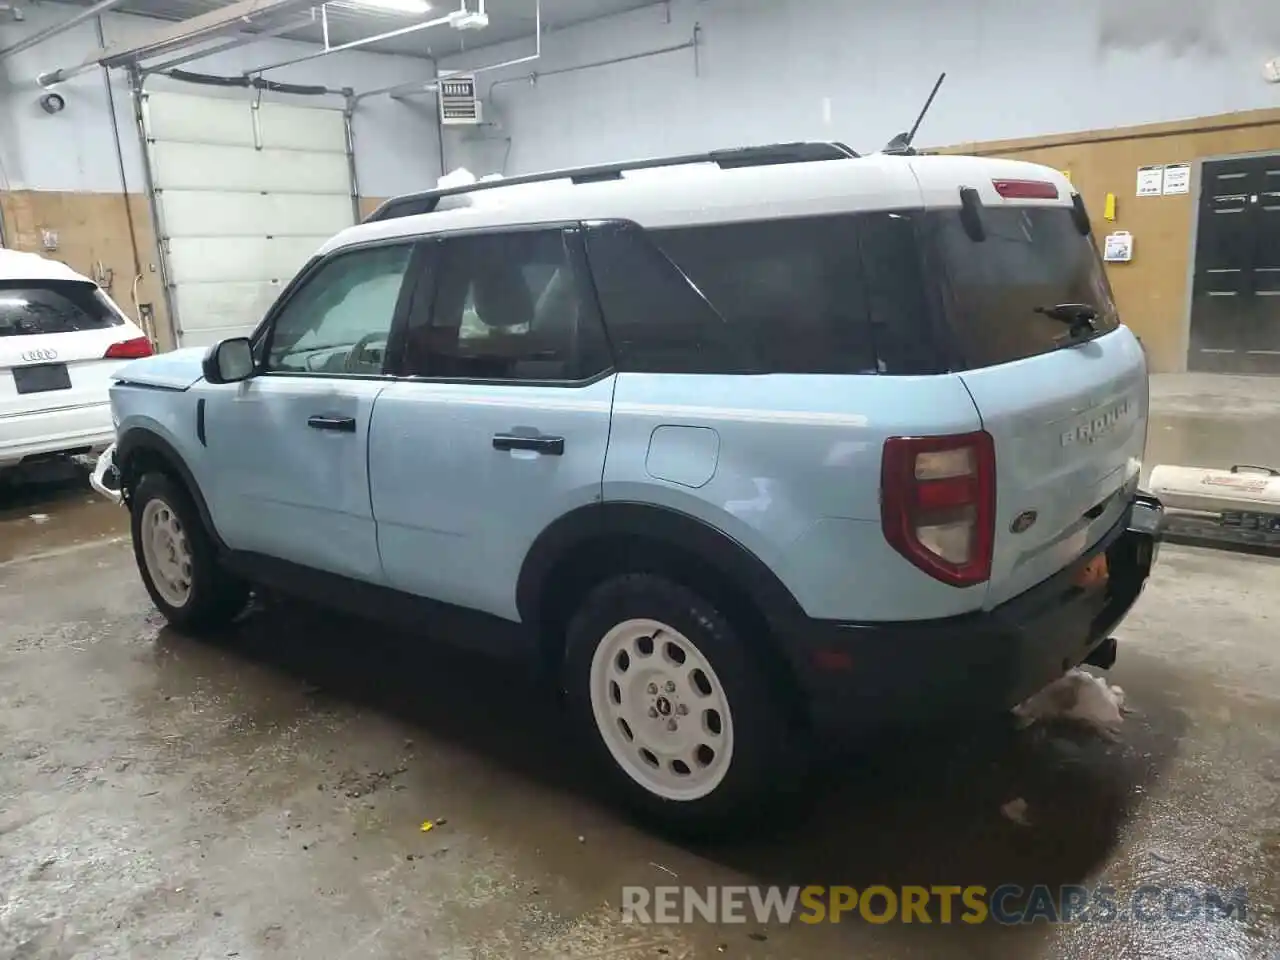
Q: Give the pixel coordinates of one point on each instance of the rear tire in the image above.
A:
(677, 708)
(177, 558)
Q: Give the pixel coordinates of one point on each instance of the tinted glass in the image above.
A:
(508, 307)
(793, 289)
(901, 305)
(59, 306)
(657, 322)
(340, 319)
(1031, 257)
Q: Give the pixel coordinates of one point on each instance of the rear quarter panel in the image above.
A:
(793, 475)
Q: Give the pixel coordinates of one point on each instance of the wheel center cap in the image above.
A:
(664, 707)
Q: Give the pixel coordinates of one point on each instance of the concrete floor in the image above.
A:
(261, 796)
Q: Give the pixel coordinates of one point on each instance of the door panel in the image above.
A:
(1235, 312)
(501, 422)
(457, 512)
(287, 489)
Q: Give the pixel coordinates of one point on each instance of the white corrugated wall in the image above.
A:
(243, 202)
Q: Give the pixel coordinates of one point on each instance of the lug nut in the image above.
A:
(653, 688)
(671, 686)
(682, 710)
(671, 724)
(653, 712)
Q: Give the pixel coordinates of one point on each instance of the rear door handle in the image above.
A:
(552, 446)
(339, 424)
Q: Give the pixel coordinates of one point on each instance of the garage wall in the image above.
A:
(859, 71)
(61, 173)
(396, 145)
(1153, 290)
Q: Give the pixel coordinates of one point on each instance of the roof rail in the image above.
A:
(800, 152)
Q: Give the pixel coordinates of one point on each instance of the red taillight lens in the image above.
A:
(937, 504)
(129, 349)
(1026, 189)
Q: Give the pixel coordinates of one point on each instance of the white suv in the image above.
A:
(61, 339)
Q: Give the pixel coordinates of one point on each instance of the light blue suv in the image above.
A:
(746, 447)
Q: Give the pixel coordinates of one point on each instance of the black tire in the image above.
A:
(768, 759)
(216, 597)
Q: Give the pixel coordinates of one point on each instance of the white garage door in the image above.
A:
(244, 201)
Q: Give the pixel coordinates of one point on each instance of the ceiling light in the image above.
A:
(394, 6)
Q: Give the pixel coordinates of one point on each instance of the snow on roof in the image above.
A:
(16, 265)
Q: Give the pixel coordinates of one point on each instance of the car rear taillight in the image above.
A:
(937, 504)
(129, 349)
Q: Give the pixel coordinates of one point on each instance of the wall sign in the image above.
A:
(1118, 247)
(1150, 181)
(1177, 178)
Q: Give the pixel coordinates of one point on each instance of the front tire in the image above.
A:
(177, 558)
(677, 707)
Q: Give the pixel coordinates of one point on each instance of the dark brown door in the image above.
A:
(1235, 307)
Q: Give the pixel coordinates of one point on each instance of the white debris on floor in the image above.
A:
(1016, 810)
(1078, 696)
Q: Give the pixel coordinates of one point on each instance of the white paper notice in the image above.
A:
(1118, 247)
(1177, 178)
(1150, 181)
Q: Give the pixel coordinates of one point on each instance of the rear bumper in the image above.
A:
(860, 676)
(86, 427)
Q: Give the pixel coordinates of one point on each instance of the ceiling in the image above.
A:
(348, 20)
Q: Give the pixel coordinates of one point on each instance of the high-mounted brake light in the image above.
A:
(129, 349)
(937, 504)
(1026, 189)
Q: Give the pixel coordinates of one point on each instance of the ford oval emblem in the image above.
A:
(1023, 521)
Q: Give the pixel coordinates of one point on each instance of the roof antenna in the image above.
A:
(901, 144)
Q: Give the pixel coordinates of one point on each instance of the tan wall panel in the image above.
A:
(370, 204)
(1152, 291)
(93, 238)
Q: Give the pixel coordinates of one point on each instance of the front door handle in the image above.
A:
(552, 446)
(338, 424)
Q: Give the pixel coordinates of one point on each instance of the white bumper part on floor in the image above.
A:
(105, 479)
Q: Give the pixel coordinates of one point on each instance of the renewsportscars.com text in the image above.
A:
(1006, 904)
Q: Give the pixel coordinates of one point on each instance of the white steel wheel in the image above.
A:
(661, 710)
(167, 552)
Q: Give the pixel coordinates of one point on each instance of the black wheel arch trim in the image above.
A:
(666, 526)
(137, 439)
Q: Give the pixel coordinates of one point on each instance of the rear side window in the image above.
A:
(53, 306)
(1031, 257)
(835, 295)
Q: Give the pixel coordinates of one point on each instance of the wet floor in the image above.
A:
(262, 795)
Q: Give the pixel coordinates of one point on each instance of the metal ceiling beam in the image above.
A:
(237, 41)
(40, 36)
(355, 44)
(232, 18)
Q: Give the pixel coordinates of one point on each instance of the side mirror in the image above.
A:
(229, 361)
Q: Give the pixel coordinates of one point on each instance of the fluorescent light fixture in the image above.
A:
(393, 6)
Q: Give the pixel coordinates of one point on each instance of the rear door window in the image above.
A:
(29, 308)
(1031, 257)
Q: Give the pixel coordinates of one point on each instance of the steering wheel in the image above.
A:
(353, 358)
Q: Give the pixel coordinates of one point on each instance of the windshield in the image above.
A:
(1001, 291)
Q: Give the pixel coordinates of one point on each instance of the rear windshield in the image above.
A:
(1031, 257)
(53, 306)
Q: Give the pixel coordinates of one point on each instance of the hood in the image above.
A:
(176, 370)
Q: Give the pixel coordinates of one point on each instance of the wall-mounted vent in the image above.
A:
(458, 102)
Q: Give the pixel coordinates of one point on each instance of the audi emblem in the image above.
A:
(34, 356)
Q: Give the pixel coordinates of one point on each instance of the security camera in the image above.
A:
(52, 103)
